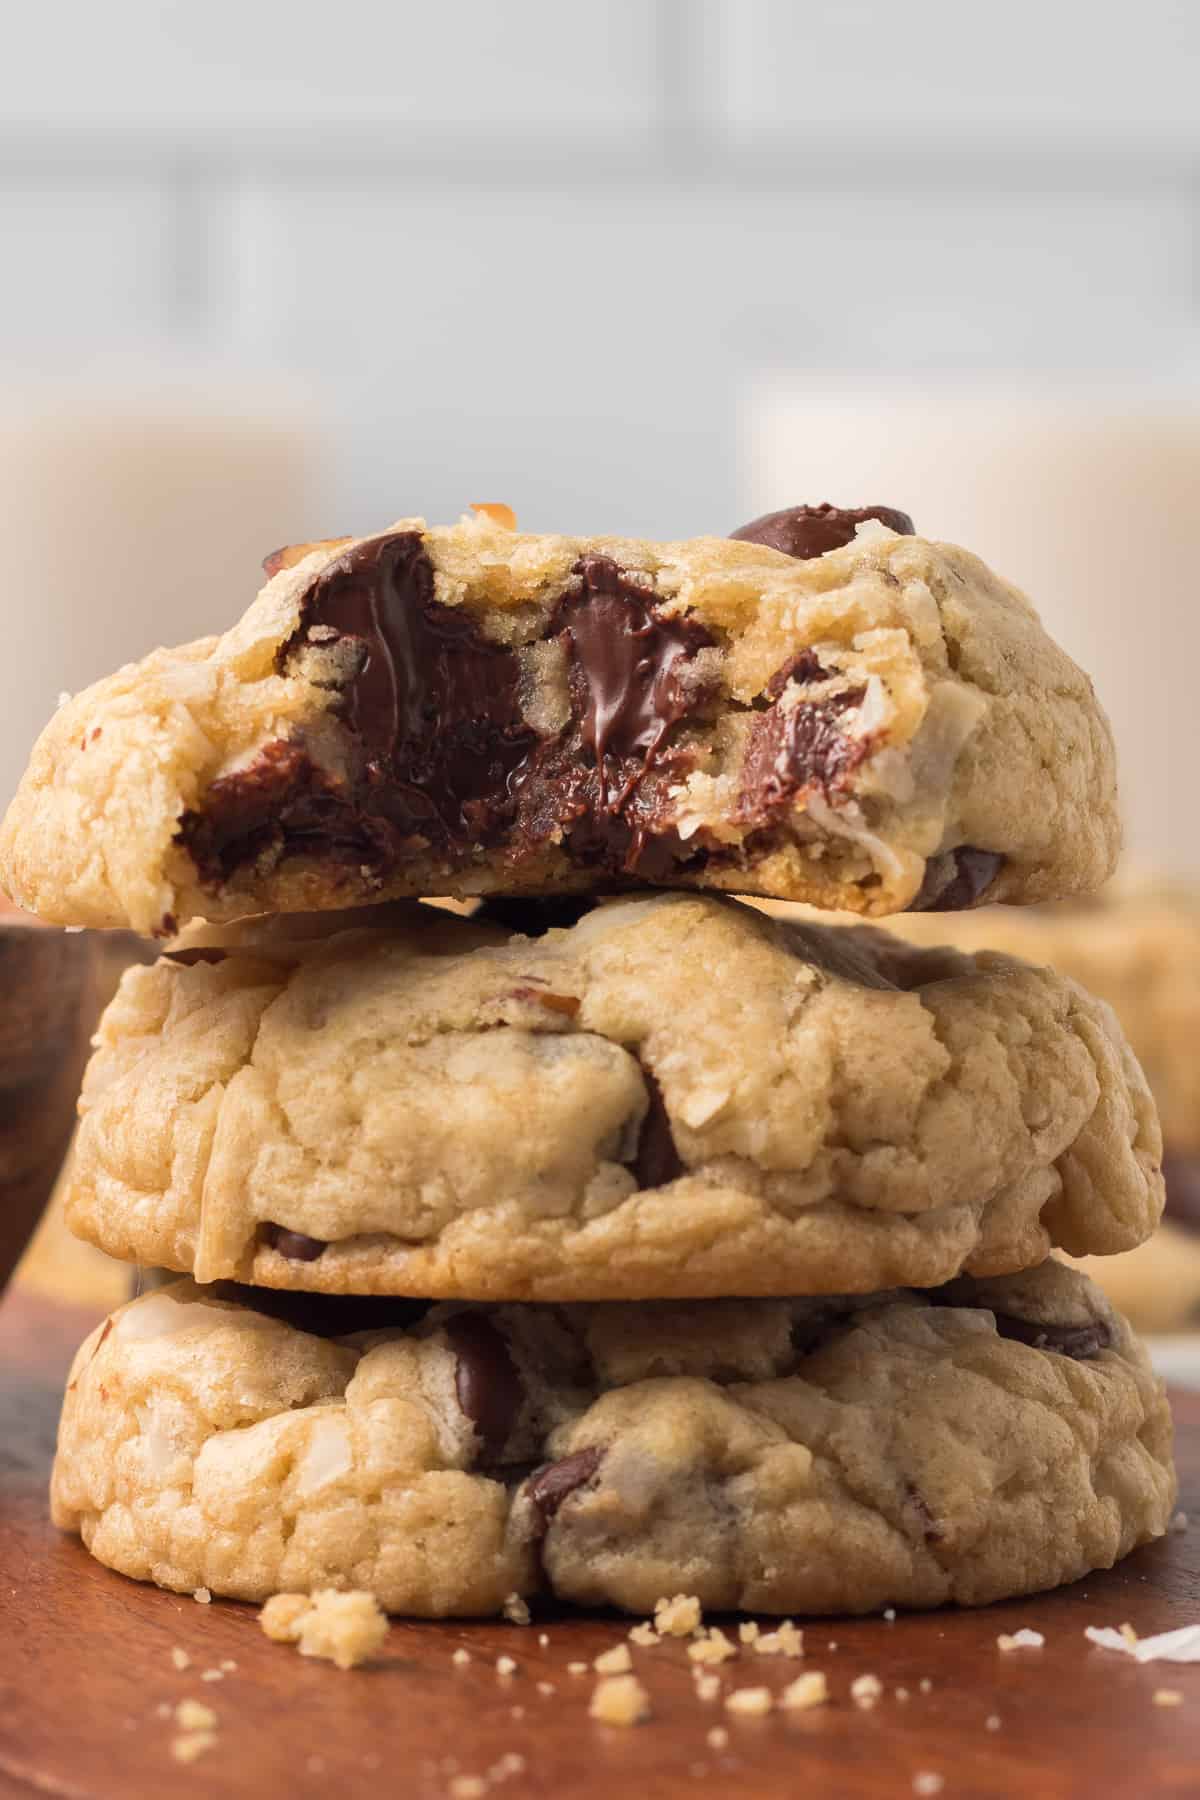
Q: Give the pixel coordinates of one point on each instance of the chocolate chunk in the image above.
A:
(431, 708)
(631, 657)
(1182, 1175)
(802, 746)
(439, 758)
(957, 880)
(1080, 1342)
(657, 1160)
(550, 1485)
(808, 531)
(198, 954)
(486, 1379)
(295, 1245)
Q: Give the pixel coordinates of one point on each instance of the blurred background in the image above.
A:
(283, 270)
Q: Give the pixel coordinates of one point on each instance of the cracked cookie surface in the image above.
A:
(676, 1096)
(466, 709)
(906, 1449)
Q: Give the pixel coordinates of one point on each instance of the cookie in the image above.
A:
(676, 1096)
(1137, 946)
(468, 710)
(909, 1449)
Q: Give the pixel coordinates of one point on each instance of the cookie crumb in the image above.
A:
(889, 1613)
(643, 1635)
(992, 1722)
(468, 1787)
(1168, 1697)
(865, 1690)
(193, 1715)
(928, 1782)
(1179, 1522)
(707, 1686)
(511, 1763)
(926, 1685)
(228, 1664)
(190, 1744)
(1129, 1634)
(785, 1640)
(715, 1647)
(213, 1675)
(616, 1661)
(902, 1693)
(518, 1712)
(807, 1690)
(747, 1631)
(753, 1702)
(1021, 1640)
(547, 1688)
(544, 1639)
(180, 1657)
(505, 1665)
(461, 1656)
(677, 1617)
(833, 1643)
(717, 1738)
(201, 1596)
(577, 1668)
(344, 1628)
(620, 1700)
(515, 1610)
(163, 1709)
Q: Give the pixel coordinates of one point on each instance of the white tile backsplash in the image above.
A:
(303, 66)
(956, 73)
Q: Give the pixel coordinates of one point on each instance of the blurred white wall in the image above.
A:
(548, 253)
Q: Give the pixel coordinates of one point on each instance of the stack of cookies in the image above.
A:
(599, 1235)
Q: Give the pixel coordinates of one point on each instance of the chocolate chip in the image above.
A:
(808, 531)
(550, 1485)
(957, 879)
(1080, 1342)
(802, 747)
(657, 1160)
(1182, 1175)
(295, 1245)
(486, 1380)
(198, 954)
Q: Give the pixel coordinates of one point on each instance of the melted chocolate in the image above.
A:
(957, 880)
(553, 1483)
(1182, 1176)
(657, 1160)
(295, 1245)
(808, 531)
(1080, 1342)
(630, 658)
(485, 1380)
(439, 756)
(803, 746)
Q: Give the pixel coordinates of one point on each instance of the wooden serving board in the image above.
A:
(86, 1666)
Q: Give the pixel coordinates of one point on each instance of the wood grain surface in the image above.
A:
(86, 1675)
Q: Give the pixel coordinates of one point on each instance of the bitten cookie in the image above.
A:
(906, 1449)
(676, 1096)
(468, 710)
